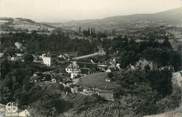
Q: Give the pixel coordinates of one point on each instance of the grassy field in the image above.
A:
(97, 80)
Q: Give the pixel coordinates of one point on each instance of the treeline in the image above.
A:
(159, 51)
(55, 43)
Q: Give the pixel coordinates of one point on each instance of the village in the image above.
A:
(84, 75)
(84, 67)
(90, 58)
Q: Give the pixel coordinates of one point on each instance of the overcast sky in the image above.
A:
(60, 10)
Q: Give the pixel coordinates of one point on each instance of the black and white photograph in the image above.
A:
(90, 58)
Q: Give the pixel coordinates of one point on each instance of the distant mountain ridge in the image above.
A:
(171, 17)
(118, 23)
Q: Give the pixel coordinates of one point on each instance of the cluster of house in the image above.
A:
(77, 82)
(92, 84)
(18, 55)
(73, 69)
(49, 59)
(113, 65)
(144, 64)
(46, 77)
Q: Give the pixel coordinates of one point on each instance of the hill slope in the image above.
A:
(171, 17)
(10, 24)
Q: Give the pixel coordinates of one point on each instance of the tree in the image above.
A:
(28, 58)
(167, 44)
(140, 90)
